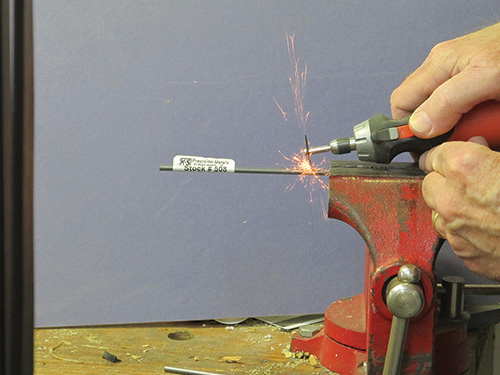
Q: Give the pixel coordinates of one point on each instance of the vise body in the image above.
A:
(393, 327)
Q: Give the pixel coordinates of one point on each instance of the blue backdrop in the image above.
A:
(121, 86)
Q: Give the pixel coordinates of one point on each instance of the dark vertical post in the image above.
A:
(16, 187)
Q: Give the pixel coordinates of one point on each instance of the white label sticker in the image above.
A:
(200, 164)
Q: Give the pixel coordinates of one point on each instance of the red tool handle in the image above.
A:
(483, 120)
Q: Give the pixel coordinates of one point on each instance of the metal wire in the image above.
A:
(319, 172)
(175, 370)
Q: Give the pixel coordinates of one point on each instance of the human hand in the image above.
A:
(456, 76)
(463, 187)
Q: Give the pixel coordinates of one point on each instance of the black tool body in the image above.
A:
(389, 138)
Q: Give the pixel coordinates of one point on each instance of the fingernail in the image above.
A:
(420, 123)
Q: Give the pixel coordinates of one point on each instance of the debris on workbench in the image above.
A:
(93, 339)
(259, 344)
(287, 368)
(229, 359)
(53, 349)
(313, 360)
(110, 357)
(286, 351)
(95, 346)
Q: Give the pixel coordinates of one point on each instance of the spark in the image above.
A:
(283, 113)
(298, 81)
(309, 176)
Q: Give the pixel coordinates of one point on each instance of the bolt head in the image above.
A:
(409, 274)
(405, 300)
(309, 330)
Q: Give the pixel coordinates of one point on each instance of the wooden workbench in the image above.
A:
(252, 348)
(146, 349)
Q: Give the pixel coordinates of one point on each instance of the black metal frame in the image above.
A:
(16, 187)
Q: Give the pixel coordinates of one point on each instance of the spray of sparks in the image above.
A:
(309, 176)
(298, 80)
(299, 161)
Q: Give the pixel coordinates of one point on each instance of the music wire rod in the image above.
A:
(320, 172)
(183, 371)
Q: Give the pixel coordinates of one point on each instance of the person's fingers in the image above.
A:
(433, 160)
(480, 141)
(436, 161)
(456, 76)
(422, 161)
(454, 97)
(487, 266)
(438, 158)
(419, 85)
(432, 188)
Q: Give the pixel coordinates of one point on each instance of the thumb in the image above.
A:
(456, 96)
